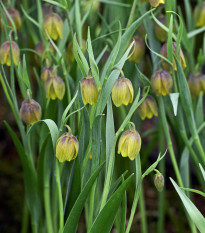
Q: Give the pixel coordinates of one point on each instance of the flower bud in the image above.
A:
(67, 147)
(148, 108)
(163, 52)
(161, 82)
(89, 90)
(139, 49)
(154, 3)
(71, 57)
(199, 15)
(5, 53)
(196, 83)
(15, 16)
(30, 111)
(160, 33)
(46, 73)
(122, 92)
(53, 25)
(55, 87)
(40, 49)
(129, 144)
(159, 181)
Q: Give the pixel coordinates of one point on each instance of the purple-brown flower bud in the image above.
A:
(129, 144)
(46, 73)
(42, 52)
(71, 56)
(15, 16)
(196, 83)
(161, 82)
(122, 92)
(159, 181)
(89, 90)
(54, 87)
(53, 26)
(160, 33)
(148, 108)
(164, 53)
(199, 15)
(30, 111)
(139, 49)
(67, 147)
(5, 57)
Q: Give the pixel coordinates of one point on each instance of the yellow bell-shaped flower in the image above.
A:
(53, 25)
(161, 82)
(5, 58)
(89, 90)
(122, 92)
(67, 147)
(196, 82)
(129, 144)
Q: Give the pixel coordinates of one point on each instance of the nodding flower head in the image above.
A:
(164, 53)
(196, 82)
(89, 90)
(160, 33)
(15, 16)
(5, 54)
(53, 26)
(148, 108)
(122, 92)
(30, 111)
(67, 147)
(129, 144)
(161, 82)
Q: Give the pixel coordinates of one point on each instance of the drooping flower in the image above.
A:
(5, 56)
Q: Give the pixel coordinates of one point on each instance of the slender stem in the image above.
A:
(60, 201)
(47, 208)
(91, 206)
(108, 176)
(161, 195)
(142, 212)
(25, 218)
(134, 206)
(130, 20)
(169, 141)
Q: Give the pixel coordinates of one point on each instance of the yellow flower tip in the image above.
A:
(163, 52)
(196, 82)
(67, 147)
(5, 58)
(129, 144)
(54, 87)
(139, 49)
(148, 108)
(89, 91)
(122, 92)
(161, 82)
(30, 111)
(154, 3)
(53, 26)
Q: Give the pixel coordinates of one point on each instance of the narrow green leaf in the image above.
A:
(193, 212)
(108, 213)
(174, 100)
(52, 128)
(73, 218)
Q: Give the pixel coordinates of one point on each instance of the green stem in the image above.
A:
(161, 195)
(134, 206)
(169, 141)
(142, 212)
(25, 218)
(108, 176)
(132, 12)
(60, 200)
(91, 206)
(47, 208)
